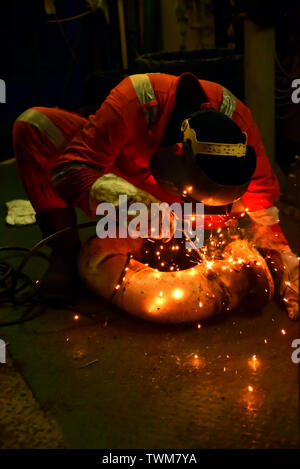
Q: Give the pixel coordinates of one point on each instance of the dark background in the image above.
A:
(74, 64)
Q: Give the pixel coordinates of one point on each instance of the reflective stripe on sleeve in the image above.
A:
(45, 126)
(146, 96)
(228, 104)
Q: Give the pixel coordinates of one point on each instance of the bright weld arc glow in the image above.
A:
(178, 294)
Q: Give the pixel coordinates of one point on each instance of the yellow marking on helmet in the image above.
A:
(211, 148)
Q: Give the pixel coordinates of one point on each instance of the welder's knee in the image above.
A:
(21, 128)
(27, 135)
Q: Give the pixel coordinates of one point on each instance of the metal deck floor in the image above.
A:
(131, 384)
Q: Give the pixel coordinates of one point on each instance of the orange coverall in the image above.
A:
(59, 163)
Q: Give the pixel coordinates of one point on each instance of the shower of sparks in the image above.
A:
(283, 331)
(250, 388)
(173, 257)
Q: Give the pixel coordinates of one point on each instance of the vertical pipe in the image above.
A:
(259, 71)
(141, 24)
(123, 35)
(260, 80)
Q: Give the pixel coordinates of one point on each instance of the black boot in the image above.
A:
(60, 282)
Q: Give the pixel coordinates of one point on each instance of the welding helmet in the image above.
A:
(212, 164)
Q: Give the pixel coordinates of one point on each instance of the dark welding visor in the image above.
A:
(180, 174)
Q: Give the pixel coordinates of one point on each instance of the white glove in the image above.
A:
(282, 262)
(109, 187)
(289, 283)
(266, 216)
(284, 266)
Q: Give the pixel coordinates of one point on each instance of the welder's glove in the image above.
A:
(109, 187)
(289, 284)
(284, 266)
(282, 262)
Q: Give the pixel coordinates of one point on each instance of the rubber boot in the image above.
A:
(60, 282)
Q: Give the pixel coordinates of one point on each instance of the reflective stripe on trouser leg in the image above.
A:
(45, 126)
(38, 143)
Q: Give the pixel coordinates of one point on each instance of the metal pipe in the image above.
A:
(174, 297)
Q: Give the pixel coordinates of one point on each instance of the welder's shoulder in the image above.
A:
(226, 102)
(234, 108)
(125, 92)
(242, 115)
(143, 87)
(121, 104)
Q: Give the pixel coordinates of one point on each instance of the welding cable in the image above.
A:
(7, 272)
(46, 240)
(282, 69)
(106, 302)
(34, 309)
(122, 274)
(70, 18)
(9, 278)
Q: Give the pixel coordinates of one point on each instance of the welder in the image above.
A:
(155, 137)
